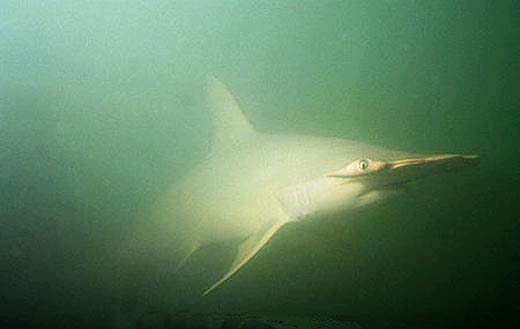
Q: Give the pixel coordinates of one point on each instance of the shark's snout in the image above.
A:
(433, 164)
(378, 180)
(404, 170)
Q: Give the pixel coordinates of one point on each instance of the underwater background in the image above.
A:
(102, 110)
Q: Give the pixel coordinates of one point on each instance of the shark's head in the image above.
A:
(366, 180)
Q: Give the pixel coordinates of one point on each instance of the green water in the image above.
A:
(101, 110)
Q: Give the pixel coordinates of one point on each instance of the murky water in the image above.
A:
(102, 110)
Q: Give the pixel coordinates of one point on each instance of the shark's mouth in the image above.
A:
(384, 180)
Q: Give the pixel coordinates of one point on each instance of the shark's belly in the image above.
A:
(213, 215)
(235, 224)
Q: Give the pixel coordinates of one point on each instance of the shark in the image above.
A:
(252, 184)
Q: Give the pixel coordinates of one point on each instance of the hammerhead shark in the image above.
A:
(253, 183)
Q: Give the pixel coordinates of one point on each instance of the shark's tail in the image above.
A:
(183, 257)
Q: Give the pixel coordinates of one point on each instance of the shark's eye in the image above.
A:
(363, 164)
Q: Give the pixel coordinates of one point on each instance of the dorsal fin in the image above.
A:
(230, 126)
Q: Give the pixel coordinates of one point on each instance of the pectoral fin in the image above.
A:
(247, 250)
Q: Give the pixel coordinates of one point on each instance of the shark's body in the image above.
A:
(252, 184)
